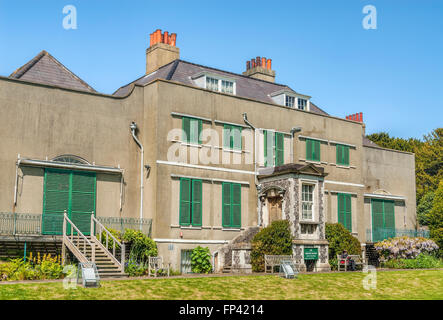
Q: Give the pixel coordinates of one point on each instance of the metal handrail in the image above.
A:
(79, 234)
(99, 229)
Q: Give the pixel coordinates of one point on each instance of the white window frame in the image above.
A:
(201, 78)
(293, 97)
(303, 218)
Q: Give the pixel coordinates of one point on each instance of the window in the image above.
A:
(227, 86)
(307, 201)
(231, 205)
(302, 104)
(290, 101)
(383, 219)
(232, 137)
(274, 148)
(312, 150)
(342, 154)
(211, 84)
(190, 202)
(344, 210)
(191, 130)
(307, 228)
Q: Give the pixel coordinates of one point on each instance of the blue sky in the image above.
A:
(393, 74)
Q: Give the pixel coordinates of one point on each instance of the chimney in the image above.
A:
(356, 117)
(161, 51)
(260, 68)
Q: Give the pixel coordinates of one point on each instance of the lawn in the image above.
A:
(408, 284)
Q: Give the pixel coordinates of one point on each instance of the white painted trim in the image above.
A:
(195, 166)
(312, 138)
(208, 179)
(344, 192)
(384, 196)
(232, 124)
(343, 143)
(178, 114)
(345, 183)
(191, 241)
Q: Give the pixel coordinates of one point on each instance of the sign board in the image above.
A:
(311, 254)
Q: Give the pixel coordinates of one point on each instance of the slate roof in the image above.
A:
(183, 71)
(369, 143)
(44, 68)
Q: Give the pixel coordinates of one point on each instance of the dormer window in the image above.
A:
(214, 82)
(290, 101)
(302, 104)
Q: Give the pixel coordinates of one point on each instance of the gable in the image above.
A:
(45, 69)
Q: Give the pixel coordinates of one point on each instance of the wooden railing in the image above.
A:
(98, 228)
(78, 244)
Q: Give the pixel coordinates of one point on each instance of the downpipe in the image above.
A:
(133, 128)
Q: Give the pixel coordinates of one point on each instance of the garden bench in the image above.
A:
(275, 260)
(344, 263)
(156, 264)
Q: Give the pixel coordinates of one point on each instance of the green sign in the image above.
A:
(311, 254)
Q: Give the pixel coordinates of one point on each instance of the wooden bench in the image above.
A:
(344, 263)
(156, 264)
(275, 260)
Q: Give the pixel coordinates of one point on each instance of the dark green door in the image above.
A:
(72, 191)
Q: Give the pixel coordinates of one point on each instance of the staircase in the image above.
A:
(90, 249)
(372, 255)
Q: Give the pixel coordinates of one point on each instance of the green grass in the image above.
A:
(408, 284)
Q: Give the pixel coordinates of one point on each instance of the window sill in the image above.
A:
(231, 229)
(188, 227)
(309, 222)
(232, 150)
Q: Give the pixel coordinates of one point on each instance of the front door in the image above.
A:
(70, 191)
(274, 209)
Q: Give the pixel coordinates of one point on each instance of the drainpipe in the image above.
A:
(257, 185)
(293, 131)
(133, 128)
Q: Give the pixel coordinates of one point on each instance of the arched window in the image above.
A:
(70, 158)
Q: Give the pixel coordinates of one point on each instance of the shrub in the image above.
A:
(201, 260)
(405, 247)
(142, 246)
(38, 267)
(437, 237)
(274, 240)
(116, 234)
(423, 261)
(136, 269)
(340, 239)
(424, 207)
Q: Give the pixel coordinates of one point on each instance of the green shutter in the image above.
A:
(196, 203)
(185, 201)
(56, 196)
(269, 148)
(227, 136)
(186, 127)
(389, 214)
(226, 204)
(316, 156)
(309, 149)
(348, 212)
(279, 149)
(82, 200)
(345, 210)
(342, 154)
(199, 133)
(236, 205)
(236, 143)
(377, 219)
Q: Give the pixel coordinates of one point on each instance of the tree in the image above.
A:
(436, 213)
(424, 208)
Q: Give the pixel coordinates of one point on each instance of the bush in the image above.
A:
(274, 240)
(424, 208)
(405, 247)
(340, 239)
(142, 246)
(35, 268)
(201, 260)
(423, 261)
(437, 237)
(136, 269)
(116, 234)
